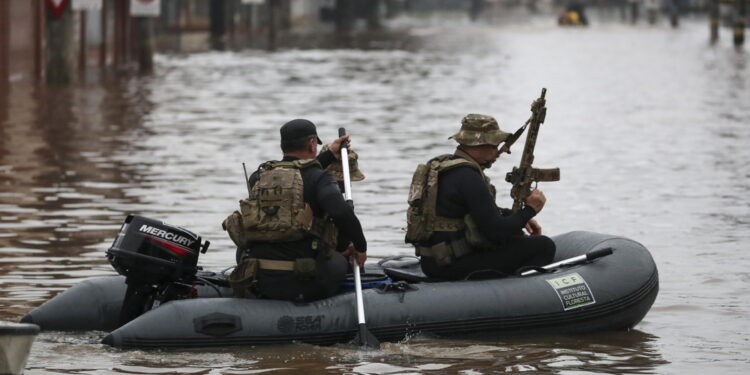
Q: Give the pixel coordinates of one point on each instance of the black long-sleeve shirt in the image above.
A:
(462, 190)
(323, 195)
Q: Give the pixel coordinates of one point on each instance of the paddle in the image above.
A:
(591, 255)
(363, 338)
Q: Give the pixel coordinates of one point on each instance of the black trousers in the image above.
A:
(519, 252)
(285, 285)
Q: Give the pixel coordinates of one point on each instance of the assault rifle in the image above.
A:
(524, 175)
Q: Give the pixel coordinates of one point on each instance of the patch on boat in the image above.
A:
(308, 323)
(573, 291)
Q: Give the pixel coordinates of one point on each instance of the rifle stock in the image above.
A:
(545, 175)
(523, 176)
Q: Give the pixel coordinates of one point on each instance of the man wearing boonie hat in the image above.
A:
(287, 230)
(337, 171)
(453, 220)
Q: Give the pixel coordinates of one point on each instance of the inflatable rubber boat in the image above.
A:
(612, 290)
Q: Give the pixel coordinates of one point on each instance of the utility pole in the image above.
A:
(273, 23)
(104, 26)
(218, 15)
(739, 23)
(122, 34)
(4, 46)
(38, 8)
(674, 13)
(60, 59)
(82, 44)
(143, 47)
(714, 20)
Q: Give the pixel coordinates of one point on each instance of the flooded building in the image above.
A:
(20, 39)
(60, 40)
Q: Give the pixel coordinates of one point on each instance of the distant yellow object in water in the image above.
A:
(571, 18)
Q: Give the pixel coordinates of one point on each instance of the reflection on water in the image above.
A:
(632, 352)
(60, 198)
(648, 125)
(616, 353)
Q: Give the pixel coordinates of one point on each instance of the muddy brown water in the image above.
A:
(649, 125)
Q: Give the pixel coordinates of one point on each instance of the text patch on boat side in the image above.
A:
(572, 290)
(307, 323)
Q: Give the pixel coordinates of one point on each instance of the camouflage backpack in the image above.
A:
(276, 210)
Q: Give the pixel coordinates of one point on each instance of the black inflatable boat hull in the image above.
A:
(613, 292)
(94, 305)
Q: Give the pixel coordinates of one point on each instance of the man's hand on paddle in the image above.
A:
(335, 146)
(533, 227)
(352, 253)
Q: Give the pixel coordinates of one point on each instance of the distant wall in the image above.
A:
(20, 36)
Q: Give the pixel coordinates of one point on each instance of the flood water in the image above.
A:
(649, 125)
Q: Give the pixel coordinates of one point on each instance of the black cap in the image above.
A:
(297, 129)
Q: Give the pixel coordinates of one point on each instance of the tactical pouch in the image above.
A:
(250, 213)
(243, 278)
(460, 248)
(475, 238)
(327, 235)
(305, 268)
(441, 253)
(444, 253)
(418, 181)
(233, 225)
(417, 226)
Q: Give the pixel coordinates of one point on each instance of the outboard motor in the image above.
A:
(159, 262)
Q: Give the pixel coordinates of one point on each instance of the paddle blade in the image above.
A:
(364, 339)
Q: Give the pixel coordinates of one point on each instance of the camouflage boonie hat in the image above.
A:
(479, 130)
(335, 168)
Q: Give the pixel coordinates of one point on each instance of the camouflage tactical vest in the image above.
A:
(421, 216)
(276, 210)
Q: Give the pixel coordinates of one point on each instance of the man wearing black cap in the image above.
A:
(287, 232)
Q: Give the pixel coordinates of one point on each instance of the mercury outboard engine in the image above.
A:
(159, 262)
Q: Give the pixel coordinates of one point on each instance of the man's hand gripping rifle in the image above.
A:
(524, 175)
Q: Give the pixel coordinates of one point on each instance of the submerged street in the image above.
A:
(648, 125)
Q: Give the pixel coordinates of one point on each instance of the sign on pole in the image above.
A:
(57, 6)
(87, 4)
(145, 8)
